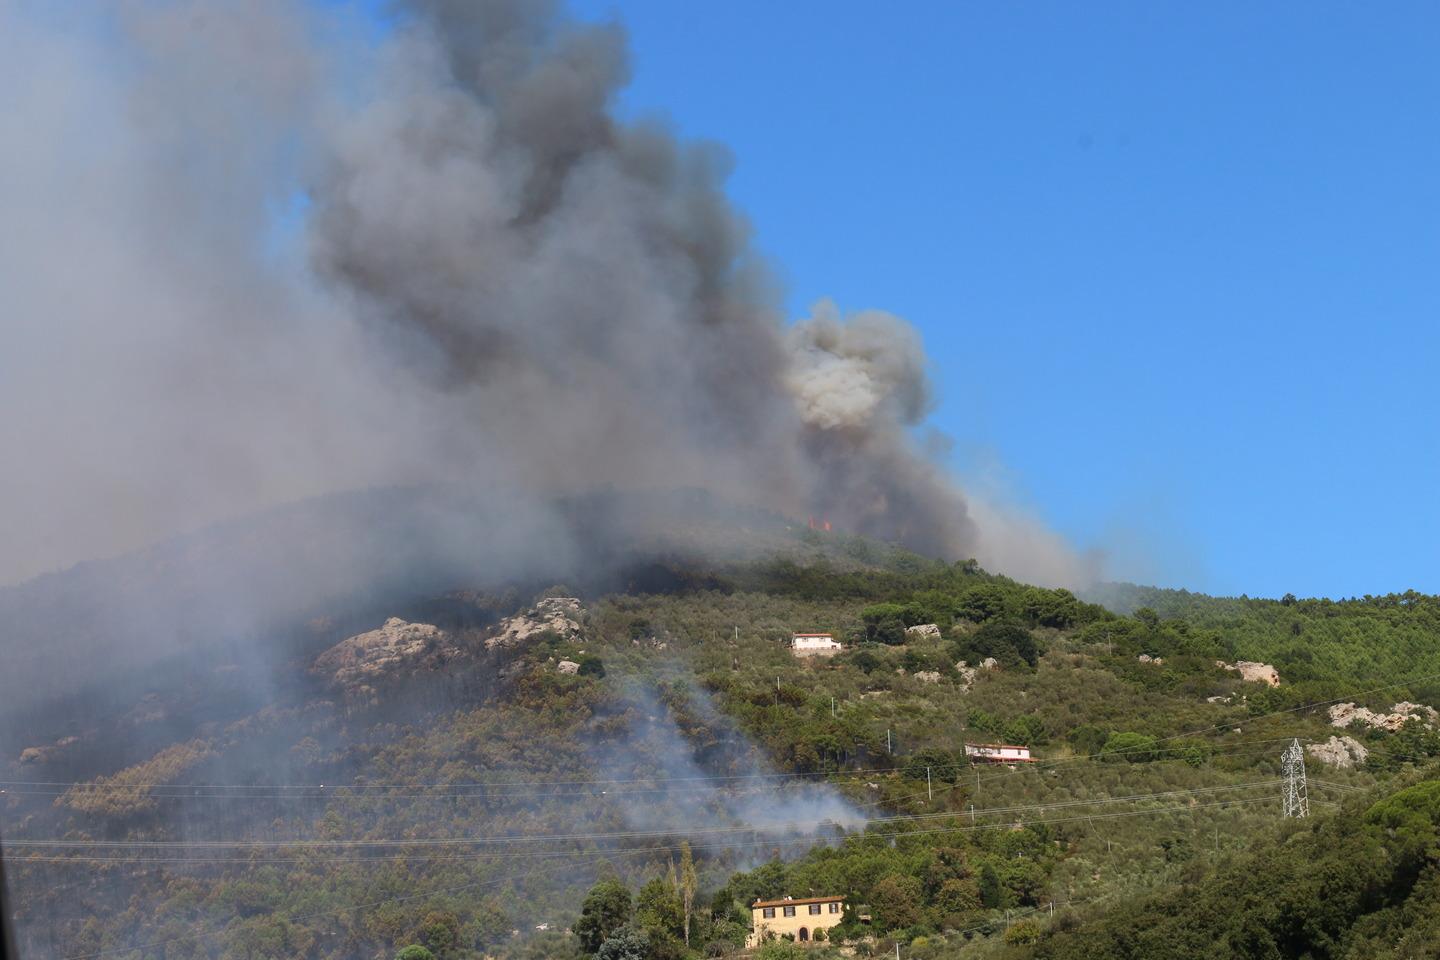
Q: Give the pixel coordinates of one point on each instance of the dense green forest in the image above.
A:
(626, 788)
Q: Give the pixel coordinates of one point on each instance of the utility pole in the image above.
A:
(1295, 798)
(832, 707)
(929, 794)
(888, 748)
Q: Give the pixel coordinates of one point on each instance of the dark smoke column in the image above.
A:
(580, 300)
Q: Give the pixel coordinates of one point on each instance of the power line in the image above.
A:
(751, 776)
(1343, 786)
(477, 784)
(792, 826)
(600, 859)
(342, 793)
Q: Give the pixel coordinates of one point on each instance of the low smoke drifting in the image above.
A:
(725, 780)
(491, 281)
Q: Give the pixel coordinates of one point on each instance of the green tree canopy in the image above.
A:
(626, 943)
(1009, 643)
(898, 901)
(658, 909)
(607, 908)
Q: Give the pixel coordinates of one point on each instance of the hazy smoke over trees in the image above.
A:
(491, 280)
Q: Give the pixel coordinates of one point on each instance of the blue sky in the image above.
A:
(1176, 264)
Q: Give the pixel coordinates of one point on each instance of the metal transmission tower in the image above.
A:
(1292, 768)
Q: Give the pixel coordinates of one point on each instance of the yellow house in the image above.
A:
(798, 918)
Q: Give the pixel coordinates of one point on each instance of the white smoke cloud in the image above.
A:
(858, 372)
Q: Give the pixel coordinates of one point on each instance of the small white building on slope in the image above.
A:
(997, 753)
(814, 645)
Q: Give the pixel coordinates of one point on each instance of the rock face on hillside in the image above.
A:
(396, 647)
(1252, 671)
(557, 614)
(1342, 752)
(1344, 714)
(923, 631)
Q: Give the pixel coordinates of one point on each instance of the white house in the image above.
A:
(997, 753)
(814, 645)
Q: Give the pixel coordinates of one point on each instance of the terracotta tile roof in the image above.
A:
(799, 901)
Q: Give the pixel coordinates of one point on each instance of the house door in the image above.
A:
(804, 934)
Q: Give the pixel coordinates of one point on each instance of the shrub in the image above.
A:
(942, 765)
(780, 950)
(864, 661)
(1027, 730)
(981, 603)
(1130, 747)
(606, 909)
(626, 944)
(884, 623)
(1009, 643)
(1025, 931)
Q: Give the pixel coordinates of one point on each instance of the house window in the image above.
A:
(834, 908)
(789, 911)
(814, 909)
(768, 913)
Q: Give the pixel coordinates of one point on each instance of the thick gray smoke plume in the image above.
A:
(501, 285)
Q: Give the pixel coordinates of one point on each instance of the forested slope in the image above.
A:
(466, 799)
(1359, 882)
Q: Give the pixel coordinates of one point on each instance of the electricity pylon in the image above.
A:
(1292, 768)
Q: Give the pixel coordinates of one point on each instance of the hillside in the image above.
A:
(461, 776)
(1360, 881)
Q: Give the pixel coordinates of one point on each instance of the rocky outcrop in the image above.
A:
(1146, 658)
(1344, 714)
(923, 631)
(396, 647)
(968, 673)
(1407, 709)
(1253, 672)
(567, 667)
(558, 615)
(1342, 752)
(927, 676)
